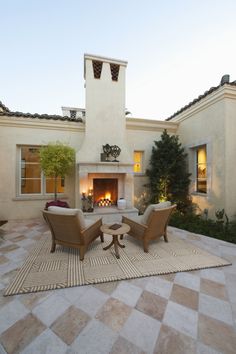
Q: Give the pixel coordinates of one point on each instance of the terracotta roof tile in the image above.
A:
(39, 116)
(5, 109)
(199, 98)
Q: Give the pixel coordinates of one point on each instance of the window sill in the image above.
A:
(38, 197)
(198, 194)
(141, 174)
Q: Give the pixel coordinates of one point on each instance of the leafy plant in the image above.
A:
(56, 161)
(195, 223)
(168, 175)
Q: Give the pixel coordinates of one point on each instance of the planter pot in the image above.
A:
(58, 203)
(121, 203)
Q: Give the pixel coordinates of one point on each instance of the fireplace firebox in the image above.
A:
(105, 191)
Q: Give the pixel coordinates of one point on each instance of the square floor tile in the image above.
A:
(159, 287)
(11, 313)
(95, 338)
(185, 296)
(216, 275)
(123, 346)
(141, 330)
(21, 333)
(51, 308)
(46, 343)
(217, 334)
(114, 314)
(91, 301)
(181, 318)
(212, 288)
(189, 280)
(171, 341)
(152, 305)
(70, 324)
(216, 308)
(127, 293)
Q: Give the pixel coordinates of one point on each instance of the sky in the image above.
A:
(176, 50)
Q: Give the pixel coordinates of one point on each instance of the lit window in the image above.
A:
(138, 161)
(32, 179)
(201, 169)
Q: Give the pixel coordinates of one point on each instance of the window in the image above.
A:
(32, 179)
(201, 169)
(138, 161)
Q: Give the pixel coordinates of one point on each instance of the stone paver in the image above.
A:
(189, 312)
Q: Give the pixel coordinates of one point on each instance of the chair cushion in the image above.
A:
(152, 207)
(88, 222)
(62, 211)
(69, 211)
(137, 218)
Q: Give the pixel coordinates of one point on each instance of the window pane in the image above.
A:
(30, 170)
(202, 186)
(30, 186)
(202, 169)
(138, 161)
(50, 185)
(30, 154)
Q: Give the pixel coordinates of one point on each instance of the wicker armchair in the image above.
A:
(150, 226)
(70, 228)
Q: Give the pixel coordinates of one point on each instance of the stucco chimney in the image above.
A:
(105, 121)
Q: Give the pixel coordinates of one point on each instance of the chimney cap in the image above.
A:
(225, 79)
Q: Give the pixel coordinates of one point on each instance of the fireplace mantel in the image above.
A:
(105, 167)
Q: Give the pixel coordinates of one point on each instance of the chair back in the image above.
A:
(158, 221)
(64, 228)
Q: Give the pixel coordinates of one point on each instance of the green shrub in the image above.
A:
(195, 223)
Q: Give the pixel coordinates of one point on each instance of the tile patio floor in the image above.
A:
(182, 313)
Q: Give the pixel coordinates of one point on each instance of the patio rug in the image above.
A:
(43, 270)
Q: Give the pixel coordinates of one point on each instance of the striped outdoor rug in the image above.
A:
(43, 270)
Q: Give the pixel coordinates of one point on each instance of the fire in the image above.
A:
(107, 195)
(105, 201)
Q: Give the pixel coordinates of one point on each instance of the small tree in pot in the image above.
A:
(57, 159)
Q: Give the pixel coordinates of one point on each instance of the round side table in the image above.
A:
(123, 229)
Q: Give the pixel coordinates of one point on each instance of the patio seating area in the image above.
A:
(185, 312)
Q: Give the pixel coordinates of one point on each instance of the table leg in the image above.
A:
(116, 244)
(110, 244)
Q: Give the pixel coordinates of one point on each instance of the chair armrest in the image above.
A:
(92, 231)
(134, 224)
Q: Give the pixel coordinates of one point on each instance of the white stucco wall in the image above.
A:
(210, 122)
(230, 157)
(24, 131)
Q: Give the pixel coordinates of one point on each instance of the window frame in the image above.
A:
(141, 162)
(198, 179)
(42, 178)
(192, 161)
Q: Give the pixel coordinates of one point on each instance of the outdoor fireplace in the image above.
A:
(105, 191)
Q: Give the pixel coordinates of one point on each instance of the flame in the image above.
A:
(108, 195)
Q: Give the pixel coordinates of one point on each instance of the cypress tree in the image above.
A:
(168, 175)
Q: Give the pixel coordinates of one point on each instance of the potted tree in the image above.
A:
(56, 160)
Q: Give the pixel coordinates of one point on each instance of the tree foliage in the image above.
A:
(56, 161)
(168, 175)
